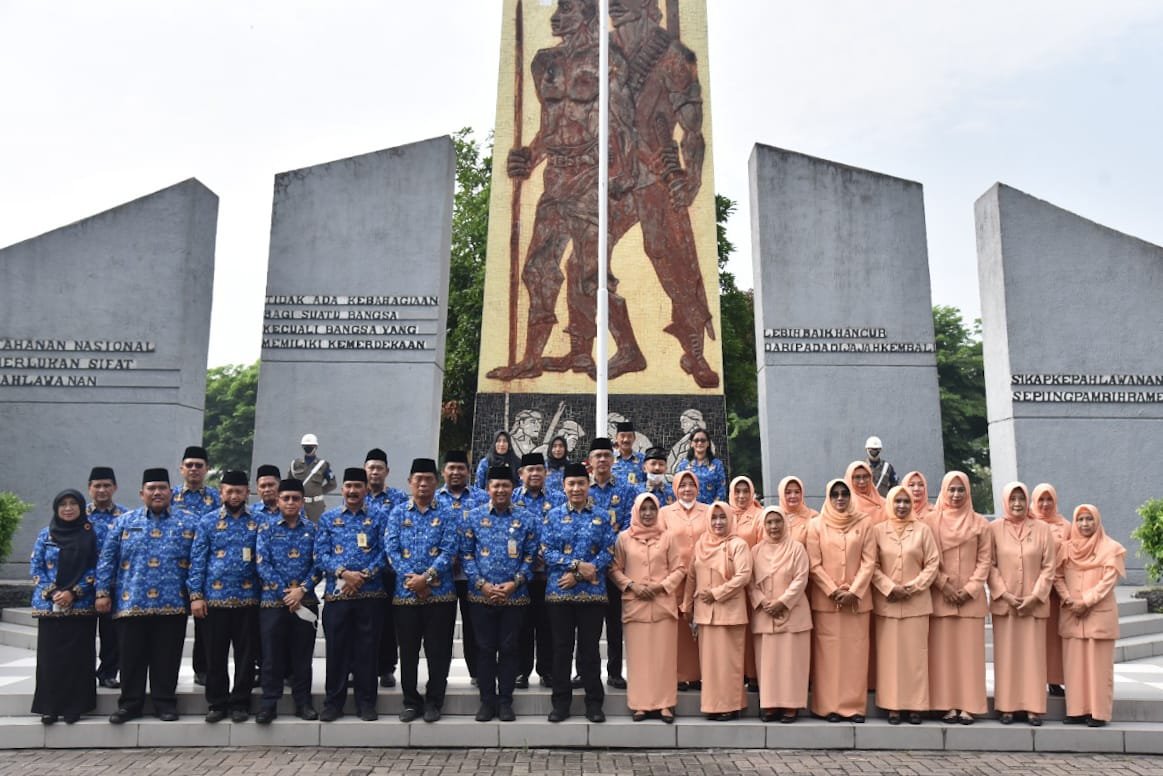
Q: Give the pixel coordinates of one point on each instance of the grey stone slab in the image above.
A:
(1136, 709)
(811, 734)
(878, 734)
(355, 732)
(538, 732)
(1142, 739)
(701, 733)
(282, 732)
(91, 734)
(463, 730)
(985, 736)
(621, 733)
(187, 731)
(22, 733)
(115, 307)
(1072, 738)
(354, 238)
(1067, 298)
(843, 319)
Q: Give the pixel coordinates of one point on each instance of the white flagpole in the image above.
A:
(603, 361)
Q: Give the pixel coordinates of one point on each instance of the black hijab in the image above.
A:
(552, 463)
(78, 545)
(510, 459)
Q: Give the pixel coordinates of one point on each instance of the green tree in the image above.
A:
(228, 425)
(964, 422)
(466, 288)
(12, 511)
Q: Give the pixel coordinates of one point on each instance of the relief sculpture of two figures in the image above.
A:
(653, 179)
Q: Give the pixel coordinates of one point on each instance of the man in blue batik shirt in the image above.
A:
(141, 579)
(656, 483)
(498, 544)
(628, 464)
(102, 510)
(197, 498)
(536, 639)
(266, 482)
(381, 496)
(461, 497)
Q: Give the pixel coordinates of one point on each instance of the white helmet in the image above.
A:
(872, 441)
(309, 440)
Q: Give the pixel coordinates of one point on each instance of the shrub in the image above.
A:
(1149, 534)
(12, 509)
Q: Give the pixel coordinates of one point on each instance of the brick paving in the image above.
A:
(535, 762)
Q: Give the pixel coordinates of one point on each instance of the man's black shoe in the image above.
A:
(617, 682)
(369, 715)
(109, 683)
(215, 715)
(168, 716)
(239, 715)
(330, 714)
(409, 714)
(265, 716)
(522, 682)
(200, 679)
(485, 713)
(121, 716)
(558, 715)
(576, 682)
(546, 681)
(505, 713)
(596, 715)
(431, 714)
(388, 680)
(307, 712)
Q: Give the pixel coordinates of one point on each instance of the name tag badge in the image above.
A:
(514, 550)
(361, 540)
(246, 555)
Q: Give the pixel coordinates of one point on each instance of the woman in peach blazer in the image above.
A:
(686, 520)
(749, 528)
(796, 513)
(907, 560)
(1044, 507)
(716, 596)
(1090, 566)
(918, 488)
(842, 556)
(648, 571)
(781, 620)
(957, 624)
(866, 498)
(1024, 557)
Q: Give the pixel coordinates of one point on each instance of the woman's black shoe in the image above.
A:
(48, 719)
(834, 717)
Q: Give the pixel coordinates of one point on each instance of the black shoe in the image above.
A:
(265, 716)
(307, 712)
(834, 717)
(485, 713)
(522, 682)
(473, 681)
(215, 715)
(576, 682)
(239, 715)
(431, 714)
(1079, 720)
(121, 716)
(1056, 690)
(684, 686)
(752, 685)
(200, 679)
(617, 682)
(48, 719)
(330, 714)
(109, 683)
(726, 716)
(505, 713)
(168, 716)
(71, 719)
(558, 715)
(768, 716)
(596, 715)
(697, 685)
(545, 681)
(369, 715)
(1092, 722)
(388, 680)
(858, 718)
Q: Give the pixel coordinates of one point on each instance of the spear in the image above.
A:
(515, 205)
(672, 24)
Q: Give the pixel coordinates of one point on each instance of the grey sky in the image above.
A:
(105, 101)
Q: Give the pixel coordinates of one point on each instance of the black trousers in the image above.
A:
(198, 658)
(577, 624)
(498, 629)
(388, 650)
(288, 644)
(467, 637)
(151, 645)
(352, 631)
(613, 630)
(109, 658)
(64, 651)
(228, 628)
(536, 646)
(432, 626)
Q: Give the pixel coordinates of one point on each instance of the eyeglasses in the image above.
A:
(194, 465)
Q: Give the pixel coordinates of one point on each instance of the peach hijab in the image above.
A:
(803, 511)
(1099, 551)
(921, 507)
(711, 548)
(955, 526)
(870, 502)
(888, 514)
(637, 530)
(834, 518)
(678, 479)
(1057, 520)
(747, 523)
(771, 555)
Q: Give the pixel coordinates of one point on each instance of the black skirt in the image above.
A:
(66, 653)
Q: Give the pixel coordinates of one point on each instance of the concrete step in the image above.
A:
(618, 732)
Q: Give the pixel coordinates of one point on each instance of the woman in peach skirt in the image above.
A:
(906, 565)
(1090, 566)
(918, 488)
(842, 556)
(781, 620)
(749, 528)
(716, 597)
(1044, 507)
(648, 571)
(957, 624)
(796, 513)
(686, 519)
(1024, 557)
(867, 501)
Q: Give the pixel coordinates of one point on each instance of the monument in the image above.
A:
(843, 320)
(537, 370)
(104, 326)
(1071, 316)
(356, 301)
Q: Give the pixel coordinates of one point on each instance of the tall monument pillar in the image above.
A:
(538, 345)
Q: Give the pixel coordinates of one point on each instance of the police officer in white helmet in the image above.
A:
(316, 475)
(883, 475)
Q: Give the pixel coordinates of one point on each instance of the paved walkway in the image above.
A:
(514, 762)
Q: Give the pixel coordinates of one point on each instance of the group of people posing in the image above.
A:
(707, 590)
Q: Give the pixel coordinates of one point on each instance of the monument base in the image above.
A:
(533, 419)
